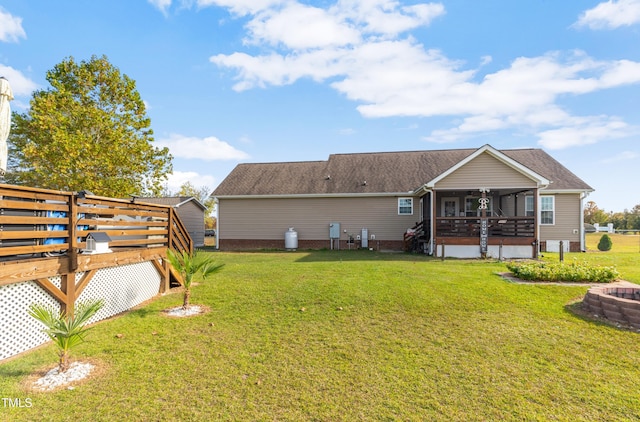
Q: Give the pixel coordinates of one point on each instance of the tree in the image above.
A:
(66, 331)
(593, 214)
(190, 265)
(203, 194)
(633, 222)
(88, 131)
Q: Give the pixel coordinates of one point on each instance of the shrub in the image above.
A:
(66, 331)
(605, 243)
(572, 272)
(189, 265)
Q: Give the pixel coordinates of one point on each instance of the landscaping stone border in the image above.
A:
(618, 302)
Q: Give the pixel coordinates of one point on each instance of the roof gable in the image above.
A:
(488, 150)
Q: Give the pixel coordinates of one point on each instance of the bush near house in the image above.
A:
(605, 243)
(561, 272)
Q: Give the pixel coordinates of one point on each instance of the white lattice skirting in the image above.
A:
(121, 287)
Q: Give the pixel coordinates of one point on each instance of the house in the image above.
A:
(191, 213)
(457, 202)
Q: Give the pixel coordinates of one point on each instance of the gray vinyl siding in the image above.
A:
(270, 218)
(485, 171)
(567, 219)
(192, 216)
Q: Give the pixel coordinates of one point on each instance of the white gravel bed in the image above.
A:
(179, 311)
(54, 379)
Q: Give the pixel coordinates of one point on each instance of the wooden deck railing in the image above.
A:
(43, 234)
(416, 237)
(39, 223)
(498, 227)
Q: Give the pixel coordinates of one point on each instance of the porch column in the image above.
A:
(536, 201)
(434, 214)
(484, 229)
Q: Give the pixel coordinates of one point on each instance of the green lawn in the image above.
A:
(624, 254)
(351, 335)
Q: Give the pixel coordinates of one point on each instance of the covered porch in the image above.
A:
(475, 223)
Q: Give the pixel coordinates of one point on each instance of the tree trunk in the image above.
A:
(187, 295)
(63, 364)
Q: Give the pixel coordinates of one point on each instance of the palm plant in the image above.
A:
(66, 331)
(189, 265)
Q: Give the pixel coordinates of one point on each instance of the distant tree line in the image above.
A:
(626, 220)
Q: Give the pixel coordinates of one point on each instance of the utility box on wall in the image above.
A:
(334, 230)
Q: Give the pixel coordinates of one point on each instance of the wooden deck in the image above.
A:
(43, 234)
(466, 231)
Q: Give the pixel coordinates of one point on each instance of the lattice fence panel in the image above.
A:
(121, 287)
(18, 330)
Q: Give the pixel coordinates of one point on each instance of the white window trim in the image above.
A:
(454, 199)
(552, 210)
(404, 213)
(526, 201)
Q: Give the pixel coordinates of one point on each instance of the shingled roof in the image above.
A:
(381, 172)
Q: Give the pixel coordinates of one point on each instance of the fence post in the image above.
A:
(68, 287)
(73, 238)
(561, 251)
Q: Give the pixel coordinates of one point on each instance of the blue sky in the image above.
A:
(231, 81)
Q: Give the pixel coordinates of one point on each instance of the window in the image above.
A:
(528, 206)
(547, 209)
(405, 206)
(472, 207)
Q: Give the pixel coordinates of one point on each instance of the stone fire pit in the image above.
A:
(618, 302)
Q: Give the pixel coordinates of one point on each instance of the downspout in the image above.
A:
(583, 240)
(217, 202)
(536, 205)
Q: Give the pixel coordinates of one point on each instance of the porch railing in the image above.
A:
(498, 227)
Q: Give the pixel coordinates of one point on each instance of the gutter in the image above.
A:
(316, 195)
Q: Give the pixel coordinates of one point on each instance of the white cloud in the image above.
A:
(161, 5)
(623, 156)
(370, 61)
(611, 15)
(179, 178)
(299, 26)
(209, 148)
(10, 27)
(20, 84)
(243, 7)
(588, 131)
(386, 17)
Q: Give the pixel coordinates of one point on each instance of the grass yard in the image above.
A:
(621, 242)
(624, 254)
(351, 335)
